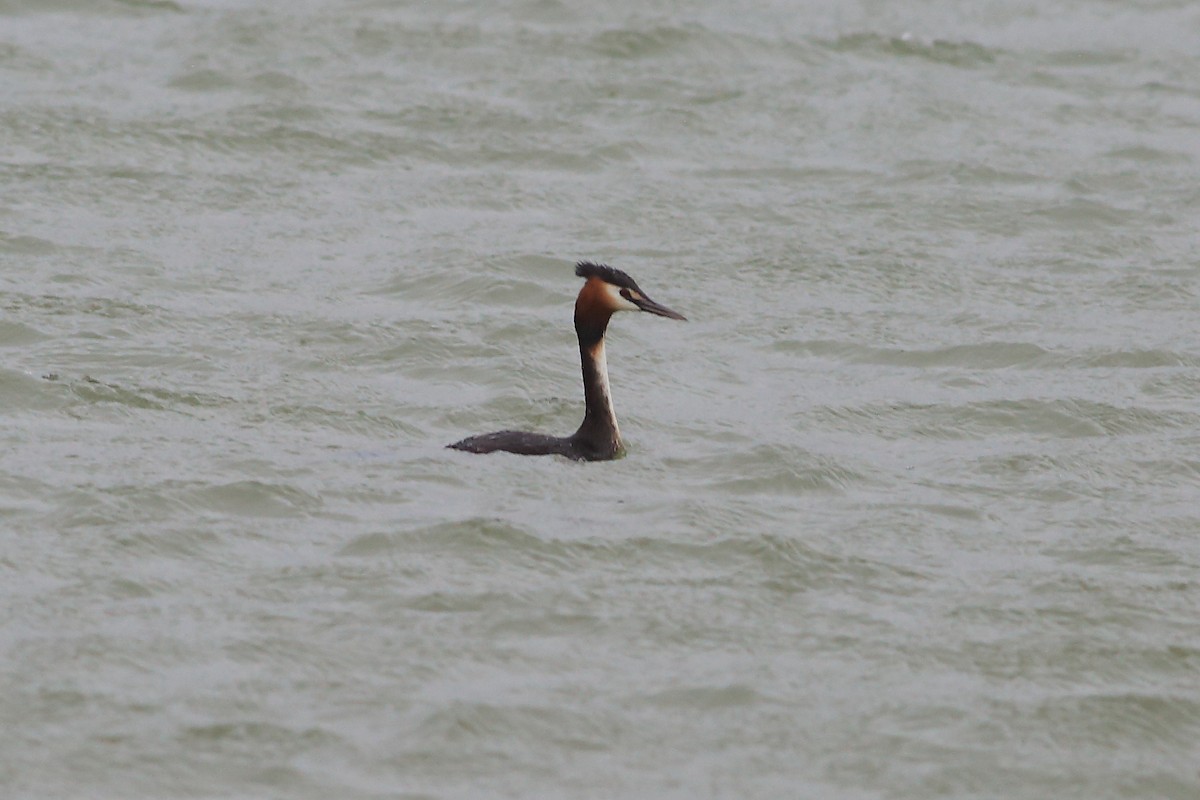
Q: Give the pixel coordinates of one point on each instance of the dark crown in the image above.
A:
(586, 269)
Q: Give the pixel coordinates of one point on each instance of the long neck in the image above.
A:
(599, 429)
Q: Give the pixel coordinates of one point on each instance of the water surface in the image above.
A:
(910, 504)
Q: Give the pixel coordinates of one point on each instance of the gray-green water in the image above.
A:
(912, 503)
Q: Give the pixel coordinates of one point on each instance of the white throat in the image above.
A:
(605, 390)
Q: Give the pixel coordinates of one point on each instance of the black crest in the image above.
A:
(586, 269)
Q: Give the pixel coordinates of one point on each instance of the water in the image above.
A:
(912, 503)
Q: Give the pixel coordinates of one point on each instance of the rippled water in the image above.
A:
(911, 506)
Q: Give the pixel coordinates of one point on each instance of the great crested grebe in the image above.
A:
(605, 291)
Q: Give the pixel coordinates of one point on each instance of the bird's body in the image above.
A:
(605, 292)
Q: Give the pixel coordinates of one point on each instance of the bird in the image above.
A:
(606, 290)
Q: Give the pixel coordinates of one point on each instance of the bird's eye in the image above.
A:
(626, 294)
